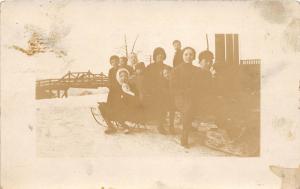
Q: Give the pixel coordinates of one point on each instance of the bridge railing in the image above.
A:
(86, 79)
(250, 61)
(80, 80)
(46, 82)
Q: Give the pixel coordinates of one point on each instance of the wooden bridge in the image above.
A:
(52, 88)
(250, 61)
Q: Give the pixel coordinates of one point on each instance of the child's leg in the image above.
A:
(105, 114)
(171, 120)
(187, 120)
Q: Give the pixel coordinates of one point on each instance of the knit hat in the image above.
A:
(118, 74)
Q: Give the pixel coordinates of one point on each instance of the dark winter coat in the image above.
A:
(184, 85)
(155, 86)
(123, 106)
(177, 58)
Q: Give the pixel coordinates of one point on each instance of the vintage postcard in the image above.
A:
(150, 94)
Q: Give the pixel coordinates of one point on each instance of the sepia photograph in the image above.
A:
(206, 101)
(150, 94)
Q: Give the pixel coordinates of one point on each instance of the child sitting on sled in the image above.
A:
(124, 104)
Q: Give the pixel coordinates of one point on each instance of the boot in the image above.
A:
(161, 129)
(172, 130)
(110, 130)
(184, 141)
(127, 129)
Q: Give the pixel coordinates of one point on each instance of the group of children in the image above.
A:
(139, 93)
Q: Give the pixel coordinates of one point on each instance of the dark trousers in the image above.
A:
(203, 108)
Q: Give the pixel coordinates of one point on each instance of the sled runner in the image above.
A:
(97, 116)
(219, 140)
(99, 119)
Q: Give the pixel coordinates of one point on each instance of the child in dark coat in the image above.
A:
(184, 81)
(124, 106)
(154, 83)
(112, 81)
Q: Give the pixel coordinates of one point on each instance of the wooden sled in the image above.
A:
(97, 116)
(218, 140)
(100, 121)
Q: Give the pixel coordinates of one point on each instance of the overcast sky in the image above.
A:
(91, 32)
(96, 30)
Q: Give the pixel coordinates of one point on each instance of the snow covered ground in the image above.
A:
(66, 128)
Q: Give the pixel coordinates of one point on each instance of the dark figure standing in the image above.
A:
(170, 103)
(178, 53)
(112, 81)
(226, 110)
(153, 85)
(207, 103)
(112, 86)
(184, 82)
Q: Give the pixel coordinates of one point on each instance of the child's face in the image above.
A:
(177, 46)
(159, 58)
(123, 62)
(133, 59)
(188, 56)
(123, 77)
(114, 63)
(205, 64)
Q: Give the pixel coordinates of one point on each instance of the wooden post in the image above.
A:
(220, 48)
(229, 49)
(66, 93)
(50, 92)
(236, 54)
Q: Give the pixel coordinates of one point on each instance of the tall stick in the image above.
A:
(207, 45)
(126, 46)
(134, 43)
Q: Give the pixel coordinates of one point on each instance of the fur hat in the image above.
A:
(125, 87)
(118, 74)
